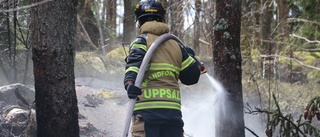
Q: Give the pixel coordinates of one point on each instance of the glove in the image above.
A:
(133, 91)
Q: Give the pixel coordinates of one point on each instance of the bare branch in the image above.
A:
(279, 116)
(252, 132)
(24, 7)
(204, 42)
(311, 50)
(275, 42)
(86, 33)
(286, 43)
(293, 59)
(304, 38)
(302, 20)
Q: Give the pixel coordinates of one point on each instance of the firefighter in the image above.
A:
(157, 112)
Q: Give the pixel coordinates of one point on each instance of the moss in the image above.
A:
(291, 97)
(21, 47)
(105, 94)
(226, 35)
(308, 58)
(255, 55)
(118, 53)
(314, 75)
(88, 64)
(221, 25)
(90, 58)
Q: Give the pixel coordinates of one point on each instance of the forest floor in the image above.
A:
(103, 107)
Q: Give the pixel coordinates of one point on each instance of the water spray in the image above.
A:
(203, 109)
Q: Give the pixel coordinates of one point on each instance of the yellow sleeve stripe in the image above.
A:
(187, 63)
(132, 68)
(141, 46)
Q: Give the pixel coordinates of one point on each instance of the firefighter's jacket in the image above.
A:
(169, 63)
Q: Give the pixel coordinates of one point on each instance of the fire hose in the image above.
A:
(142, 70)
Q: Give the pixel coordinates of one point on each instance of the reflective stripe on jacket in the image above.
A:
(160, 88)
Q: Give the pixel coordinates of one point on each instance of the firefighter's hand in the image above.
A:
(133, 91)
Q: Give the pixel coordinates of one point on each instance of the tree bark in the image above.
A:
(111, 22)
(227, 66)
(208, 18)
(176, 17)
(284, 31)
(53, 29)
(266, 20)
(164, 4)
(256, 39)
(104, 10)
(112, 14)
(266, 48)
(128, 22)
(283, 12)
(197, 27)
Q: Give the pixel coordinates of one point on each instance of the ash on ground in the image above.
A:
(102, 109)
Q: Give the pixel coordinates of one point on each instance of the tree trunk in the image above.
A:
(112, 14)
(283, 12)
(164, 4)
(111, 23)
(227, 65)
(256, 39)
(10, 60)
(53, 29)
(266, 20)
(104, 10)
(128, 22)
(197, 27)
(14, 61)
(207, 23)
(266, 47)
(176, 17)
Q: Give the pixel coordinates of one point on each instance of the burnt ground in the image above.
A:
(103, 108)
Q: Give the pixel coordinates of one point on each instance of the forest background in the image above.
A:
(280, 48)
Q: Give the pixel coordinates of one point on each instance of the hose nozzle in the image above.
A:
(201, 66)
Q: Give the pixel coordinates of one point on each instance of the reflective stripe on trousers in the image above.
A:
(157, 104)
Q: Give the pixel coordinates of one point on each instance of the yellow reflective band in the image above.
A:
(133, 42)
(141, 46)
(187, 63)
(157, 104)
(151, 10)
(164, 66)
(132, 68)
